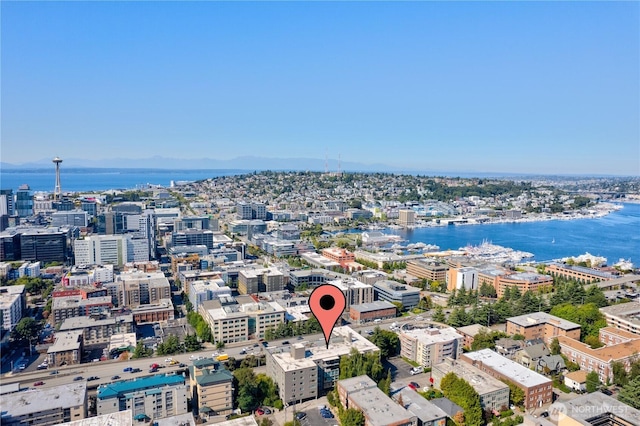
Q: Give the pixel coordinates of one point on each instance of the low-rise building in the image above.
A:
(595, 409)
(537, 388)
(393, 291)
(252, 281)
(339, 255)
(576, 380)
(355, 292)
(427, 413)
(363, 394)
(368, 312)
(524, 281)
(96, 331)
(494, 394)
(148, 398)
(625, 316)
(469, 333)
(244, 321)
(581, 274)
(161, 311)
(203, 290)
(47, 406)
(76, 306)
(429, 346)
(67, 349)
(306, 369)
(211, 387)
(540, 325)
(318, 261)
(428, 269)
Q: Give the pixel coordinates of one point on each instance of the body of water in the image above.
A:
(79, 180)
(614, 236)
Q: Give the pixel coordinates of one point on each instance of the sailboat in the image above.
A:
(553, 241)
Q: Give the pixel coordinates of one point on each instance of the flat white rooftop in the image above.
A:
(514, 371)
(33, 401)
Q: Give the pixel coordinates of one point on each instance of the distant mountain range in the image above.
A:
(248, 163)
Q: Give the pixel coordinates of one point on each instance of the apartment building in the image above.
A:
(318, 261)
(393, 291)
(368, 312)
(538, 390)
(189, 276)
(88, 275)
(204, 290)
(192, 237)
(540, 325)
(578, 273)
(47, 406)
(524, 281)
(143, 288)
(355, 292)
(469, 333)
(211, 387)
(96, 331)
(306, 369)
(363, 394)
(100, 250)
(494, 394)
(252, 281)
(428, 413)
(406, 218)
(148, 398)
(489, 275)
(154, 312)
(239, 323)
(339, 255)
(595, 409)
(459, 278)
(624, 316)
(77, 306)
(429, 346)
(12, 305)
(428, 269)
(621, 346)
(67, 349)
(44, 244)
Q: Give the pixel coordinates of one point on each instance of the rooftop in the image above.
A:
(514, 371)
(65, 302)
(528, 277)
(377, 407)
(373, 306)
(596, 404)
(417, 405)
(32, 401)
(119, 418)
(473, 329)
(74, 323)
(623, 309)
(117, 389)
(481, 382)
(179, 420)
(429, 336)
(66, 341)
(396, 287)
(537, 318)
(605, 353)
(448, 406)
(343, 339)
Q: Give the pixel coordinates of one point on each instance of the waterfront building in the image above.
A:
(538, 390)
(362, 393)
(581, 274)
(148, 398)
(429, 346)
(406, 218)
(462, 278)
(494, 394)
(394, 292)
(47, 406)
(524, 281)
(428, 269)
(540, 325)
(211, 387)
(305, 370)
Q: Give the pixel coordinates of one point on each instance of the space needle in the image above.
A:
(57, 191)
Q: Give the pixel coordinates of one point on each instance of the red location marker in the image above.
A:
(327, 303)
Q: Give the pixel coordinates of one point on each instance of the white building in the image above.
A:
(203, 290)
(429, 346)
(110, 249)
(239, 323)
(466, 278)
(12, 304)
(355, 292)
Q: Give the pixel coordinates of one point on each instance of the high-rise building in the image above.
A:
(45, 245)
(24, 201)
(406, 218)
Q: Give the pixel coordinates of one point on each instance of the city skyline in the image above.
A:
(545, 88)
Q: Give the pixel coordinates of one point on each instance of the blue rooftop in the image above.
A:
(118, 389)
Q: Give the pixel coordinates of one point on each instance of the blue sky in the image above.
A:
(540, 87)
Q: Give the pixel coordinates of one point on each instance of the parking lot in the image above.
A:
(400, 369)
(314, 418)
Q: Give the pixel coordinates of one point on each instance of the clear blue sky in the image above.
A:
(542, 87)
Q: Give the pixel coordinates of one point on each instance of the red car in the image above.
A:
(38, 384)
(414, 385)
(259, 411)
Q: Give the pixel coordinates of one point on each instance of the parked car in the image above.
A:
(266, 410)
(301, 415)
(115, 377)
(127, 369)
(38, 383)
(77, 378)
(259, 411)
(286, 342)
(54, 372)
(414, 386)
(606, 392)
(92, 378)
(136, 370)
(182, 365)
(242, 352)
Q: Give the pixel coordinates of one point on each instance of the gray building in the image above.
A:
(47, 406)
(392, 291)
(78, 218)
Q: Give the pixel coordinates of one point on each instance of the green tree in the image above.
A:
(26, 329)
(399, 306)
(589, 317)
(487, 290)
(593, 341)
(486, 340)
(462, 393)
(554, 348)
(387, 341)
(351, 417)
(593, 381)
(141, 351)
(191, 343)
(438, 315)
(620, 376)
(516, 395)
(630, 393)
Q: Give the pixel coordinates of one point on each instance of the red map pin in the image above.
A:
(327, 303)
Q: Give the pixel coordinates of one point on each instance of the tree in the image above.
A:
(516, 395)
(554, 348)
(487, 290)
(141, 351)
(399, 306)
(630, 393)
(593, 341)
(438, 315)
(191, 343)
(620, 377)
(351, 417)
(462, 393)
(593, 381)
(486, 340)
(26, 329)
(385, 384)
(387, 341)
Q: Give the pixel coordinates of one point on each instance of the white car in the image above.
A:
(168, 360)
